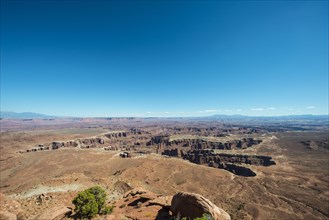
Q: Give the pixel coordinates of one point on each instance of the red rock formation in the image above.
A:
(193, 205)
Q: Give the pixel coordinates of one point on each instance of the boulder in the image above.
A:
(55, 213)
(193, 205)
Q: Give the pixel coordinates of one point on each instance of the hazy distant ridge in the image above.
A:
(25, 115)
(31, 115)
(286, 117)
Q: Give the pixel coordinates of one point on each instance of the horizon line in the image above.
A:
(42, 115)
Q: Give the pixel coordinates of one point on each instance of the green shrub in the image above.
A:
(100, 195)
(90, 202)
(107, 210)
(205, 217)
(85, 205)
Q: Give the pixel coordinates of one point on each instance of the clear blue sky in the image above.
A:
(164, 58)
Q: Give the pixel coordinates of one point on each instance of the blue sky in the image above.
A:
(164, 58)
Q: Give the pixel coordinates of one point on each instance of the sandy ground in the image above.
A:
(295, 188)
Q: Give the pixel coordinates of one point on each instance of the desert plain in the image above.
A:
(252, 169)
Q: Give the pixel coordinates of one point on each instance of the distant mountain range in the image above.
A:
(32, 115)
(285, 117)
(23, 115)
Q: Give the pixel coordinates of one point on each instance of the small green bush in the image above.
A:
(90, 202)
(107, 210)
(85, 205)
(205, 217)
(100, 195)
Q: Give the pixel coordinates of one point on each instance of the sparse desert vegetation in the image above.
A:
(66, 163)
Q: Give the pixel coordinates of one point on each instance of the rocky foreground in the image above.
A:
(135, 204)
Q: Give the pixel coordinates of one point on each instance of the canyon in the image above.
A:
(249, 170)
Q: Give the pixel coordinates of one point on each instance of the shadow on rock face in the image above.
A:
(163, 214)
